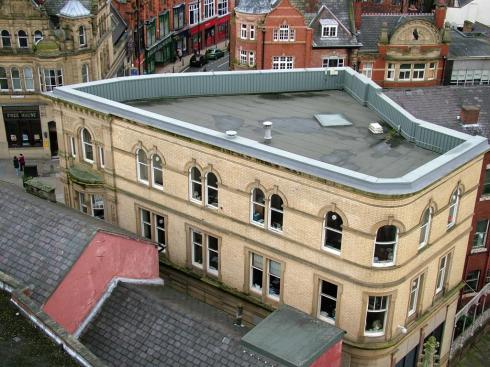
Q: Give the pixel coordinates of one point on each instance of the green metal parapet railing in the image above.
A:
(456, 148)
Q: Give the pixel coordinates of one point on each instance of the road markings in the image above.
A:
(187, 68)
(225, 63)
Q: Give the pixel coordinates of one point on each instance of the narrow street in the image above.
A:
(221, 64)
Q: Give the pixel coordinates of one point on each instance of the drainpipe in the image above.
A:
(263, 48)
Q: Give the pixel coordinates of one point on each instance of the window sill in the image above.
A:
(478, 250)
(451, 226)
(373, 334)
(195, 201)
(331, 250)
(383, 265)
(275, 230)
(146, 183)
(482, 198)
(257, 224)
(157, 187)
(326, 319)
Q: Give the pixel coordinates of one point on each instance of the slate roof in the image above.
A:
(474, 44)
(420, 102)
(53, 7)
(254, 6)
(40, 240)
(371, 27)
(462, 3)
(143, 325)
(338, 10)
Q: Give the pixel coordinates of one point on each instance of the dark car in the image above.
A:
(214, 53)
(198, 60)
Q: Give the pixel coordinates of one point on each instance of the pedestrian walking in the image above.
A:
(22, 162)
(16, 165)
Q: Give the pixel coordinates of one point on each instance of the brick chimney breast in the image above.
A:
(470, 114)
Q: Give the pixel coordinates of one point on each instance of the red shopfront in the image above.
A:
(222, 28)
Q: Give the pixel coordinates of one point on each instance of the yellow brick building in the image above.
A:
(45, 44)
(367, 232)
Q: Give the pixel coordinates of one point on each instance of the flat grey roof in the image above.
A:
(296, 130)
(449, 149)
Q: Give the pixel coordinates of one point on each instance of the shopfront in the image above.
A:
(163, 52)
(22, 126)
(180, 41)
(222, 29)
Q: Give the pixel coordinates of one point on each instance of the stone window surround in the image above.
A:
(317, 279)
(153, 213)
(395, 70)
(189, 228)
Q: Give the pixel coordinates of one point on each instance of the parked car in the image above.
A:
(214, 53)
(198, 60)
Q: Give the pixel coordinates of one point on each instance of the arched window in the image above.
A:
(157, 171)
(276, 213)
(142, 166)
(15, 74)
(332, 231)
(4, 85)
(87, 146)
(453, 208)
(22, 36)
(38, 36)
(28, 78)
(195, 184)
(211, 190)
(425, 227)
(257, 210)
(385, 246)
(85, 73)
(81, 36)
(6, 39)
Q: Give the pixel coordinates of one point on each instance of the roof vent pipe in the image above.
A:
(268, 131)
(231, 134)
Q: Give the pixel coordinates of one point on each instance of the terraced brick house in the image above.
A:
(44, 45)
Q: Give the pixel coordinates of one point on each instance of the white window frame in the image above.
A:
(332, 229)
(326, 318)
(82, 36)
(482, 235)
(157, 169)
(85, 73)
(194, 10)
(243, 31)
(222, 7)
(47, 76)
(276, 210)
(270, 275)
(162, 247)
(282, 62)
(329, 31)
(404, 71)
(252, 32)
(243, 57)
(28, 78)
(87, 144)
(252, 267)
(390, 71)
(38, 37)
(418, 73)
(284, 34)
(414, 295)
(441, 273)
(453, 209)
(209, 250)
(432, 70)
(25, 38)
(142, 165)
(92, 205)
(367, 69)
(377, 310)
(73, 146)
(326, 62)
(208, 187)
(380, 264)
(208, 9)
(252, 207)
(16, 79)
(101, 156)
(145, 225)
(251, 58)
(194, 243)
(81, 203)
(193, 182)
(425, 228)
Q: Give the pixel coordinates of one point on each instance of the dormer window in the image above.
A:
(329, 28)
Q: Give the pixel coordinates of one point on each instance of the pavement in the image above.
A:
(181, 66)
(48, 170)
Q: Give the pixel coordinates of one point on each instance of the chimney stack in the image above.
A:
(357, 15)
(467, 26)
(440, 14)
(268, 131)
(470, 114)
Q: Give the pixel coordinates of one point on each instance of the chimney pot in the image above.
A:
(268, 131)
(470, 114)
